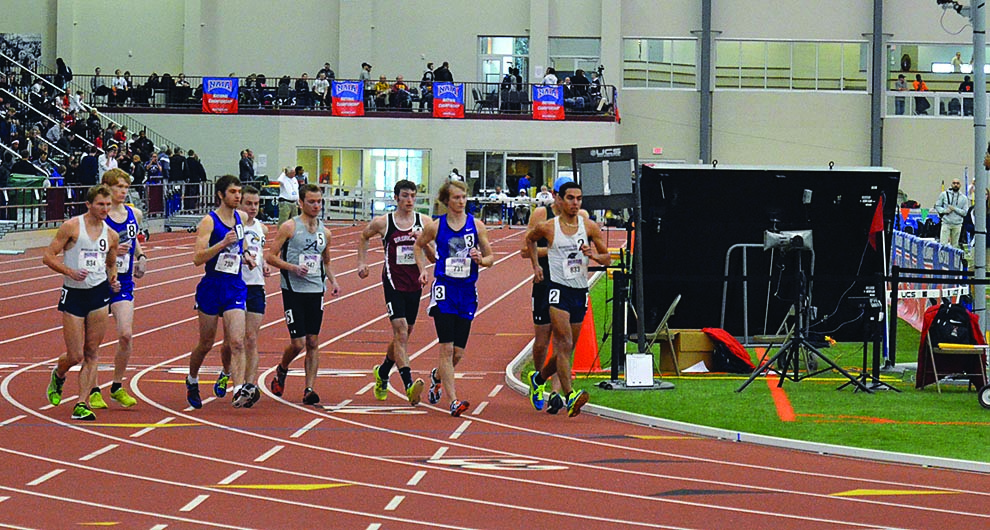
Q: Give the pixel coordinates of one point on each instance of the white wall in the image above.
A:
(668, 120)
(928, 152)
(36, 16)
(833, 20)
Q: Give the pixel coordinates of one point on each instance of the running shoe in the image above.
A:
(575, 400)
(457, 407)
(310, 397)
(436, 390)
(55, 388)
(414, 392)
(82, 412)
(278, 382)
(381, 385)
(255, 395)
(121, 396)
(96, 401)
(554, 403)
(220, 387)
(242, 397)
(535, 391)
(192, 395)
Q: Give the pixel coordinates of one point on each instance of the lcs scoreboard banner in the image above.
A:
(220, 95)
(347, 98)
(548, 102)
(448, 100)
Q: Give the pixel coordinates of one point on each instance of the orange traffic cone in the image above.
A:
(586, 349)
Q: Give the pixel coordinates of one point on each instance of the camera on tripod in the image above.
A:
(601, 68)
(788, 240)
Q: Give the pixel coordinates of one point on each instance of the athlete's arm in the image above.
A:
(432, 254)
(536, 233)
(539, 215)
(203, 252)
(64, 238)
(486, 259)
(602, 255)
(275, 258)
(334, 286)
(140, 260)
(375, 227)
(421, 247)
(111, 260)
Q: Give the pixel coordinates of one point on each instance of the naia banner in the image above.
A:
(548, 102)
(448, 100)
(347, 98)
(220, 95)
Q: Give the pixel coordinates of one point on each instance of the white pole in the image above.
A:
(978, 17)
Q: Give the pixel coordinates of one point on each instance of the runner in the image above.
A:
(221, 293)
(131, 261)
(89, 265)
(454, 296)
(304, 259)
(400, 280)
(541, 304)
(255, 234)
(568, 252)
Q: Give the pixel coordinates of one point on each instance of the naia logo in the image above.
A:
(347, 87)
(216, 85)
(448, 91)
(546, 92)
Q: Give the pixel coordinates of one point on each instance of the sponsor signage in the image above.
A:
(448, 100)
(548, 102)
(220, 95)
(347, 98)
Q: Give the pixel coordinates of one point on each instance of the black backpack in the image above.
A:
(951, 325)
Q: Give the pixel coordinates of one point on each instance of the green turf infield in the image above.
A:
(950, 425)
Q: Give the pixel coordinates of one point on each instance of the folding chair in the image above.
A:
(980, 350)
(663, 332)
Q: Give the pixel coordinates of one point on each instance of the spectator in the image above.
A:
(76, 102)
(107, 161)
(138, 172)
(303, 97)
(144, 146)
(153, 166)
(544, 197)
(580, 83)
(301, 177)
(98, 84)
(921, 104)
(63, 74)
(455, 175)
(400, 97)
(194, 168)
(23, 166)
(443, 74)
(365, 74)
(245, 166)
(321, 87)
(118, 89)
(327, 71)
(165, 160)
(524, 183)
(551, 77)
(177, 166)
(381, 91)
(426, 88)
(89, 168)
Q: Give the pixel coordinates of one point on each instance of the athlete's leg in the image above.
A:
(123, 314)
(445, 369)
(563, 342)
(74, 333)
(233, 332)
(207, 334)
(96, 329)
(252, 323)
(312, 359)
(400, 338)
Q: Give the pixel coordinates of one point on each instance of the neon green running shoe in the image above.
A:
(381, 385)
(414, 392)
(220, 387)
(121, 396)
(96, 401)
(82, 412)
(55, 388)
(535, 391)
(575, 400)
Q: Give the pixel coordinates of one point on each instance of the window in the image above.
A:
(933, 61)
(497, 54)
(659, 63)
(569, 54)
(791, 65)
(389, 166)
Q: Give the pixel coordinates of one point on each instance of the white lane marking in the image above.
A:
(98, 452)
(146, 430)
(418, 476)
(481, 406)
(159, 527)
(365, 389)
(394, 503)
(191, 505)
(46, 476)
(205, 401)
(495, 391)
(8, 421)
(374, 526)
(439, 454)
(460, 430)
(269, 453)
(232, 477)
(306, 428)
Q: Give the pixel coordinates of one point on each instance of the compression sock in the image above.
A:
(95, 390)
(385, 368)
(406, 375)
(539, 379)
(115, 387)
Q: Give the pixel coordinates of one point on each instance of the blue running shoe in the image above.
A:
(436, 389)
(220, 387)
(457, 407)
(192, 395)
(575, 400)
(535, 391)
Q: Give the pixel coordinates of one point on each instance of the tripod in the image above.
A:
(872, 315)
(789, 355)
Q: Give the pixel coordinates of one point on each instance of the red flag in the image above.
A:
(876, 227)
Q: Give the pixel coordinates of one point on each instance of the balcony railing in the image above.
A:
(932, 104)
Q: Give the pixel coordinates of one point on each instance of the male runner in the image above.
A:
(568, 236)
(131, 261)
(454, 296)
(304, 259)
(400, 279)
(255, 234)
(541, 304)
(221, 293)
(89, 264)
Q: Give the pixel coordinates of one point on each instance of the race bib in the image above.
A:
(573, 268)
(311, 262)
(123, 264)
(404, 255)
(457, 267)
(91, 260)
(229, 263)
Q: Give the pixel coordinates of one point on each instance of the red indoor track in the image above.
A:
(355, 462)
